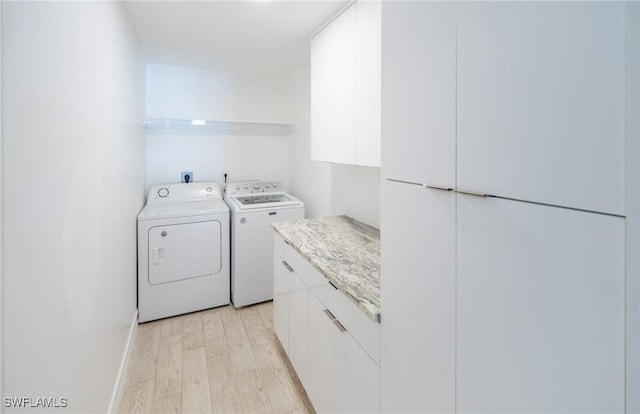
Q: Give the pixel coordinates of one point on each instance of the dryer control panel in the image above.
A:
(183, 193)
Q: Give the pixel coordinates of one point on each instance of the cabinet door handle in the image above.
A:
(437, 187)
(336, 322)
(332, 285)
(329, 315)
(340, 326)
(289, 268)
(471, 193)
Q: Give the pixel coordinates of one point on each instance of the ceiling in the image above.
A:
(259, 36)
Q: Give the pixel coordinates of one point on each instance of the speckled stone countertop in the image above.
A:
(345, 251)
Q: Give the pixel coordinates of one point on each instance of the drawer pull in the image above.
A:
(437, 187)
(470, 193)
(336, 322)
(334, 286)
(289, 268)
(340, 327)
(329, 315)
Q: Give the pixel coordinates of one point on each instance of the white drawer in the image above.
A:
(363, 329)
(305, 270)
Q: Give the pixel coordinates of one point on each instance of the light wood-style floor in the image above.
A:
(219, 360)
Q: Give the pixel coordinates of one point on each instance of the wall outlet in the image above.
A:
(186, 176)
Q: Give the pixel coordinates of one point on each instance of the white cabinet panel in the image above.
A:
(321, 96)
(281, 301)
(342, 84)
(418, 299)
(540, 317)
(541, 102)
(298, 326)
(322, 358)
(357, 378)
(345, 87)
(368, 87)
(419, 92)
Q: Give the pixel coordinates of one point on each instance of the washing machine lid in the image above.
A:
(188, 209)
(263, 200)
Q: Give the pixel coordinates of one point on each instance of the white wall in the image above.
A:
(175, 92)
(73, 183)
(633, 209)
(310, 181)
(210, 156)
(327, 189)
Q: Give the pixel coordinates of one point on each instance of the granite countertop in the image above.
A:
(345, 251)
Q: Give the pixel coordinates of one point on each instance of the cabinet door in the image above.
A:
(540, 309)
(541, 102)
(342, 84)
(322, 358)
(321, 96)
(368, 67)
(298, 326)
(418, 92)
(357, 377)
(281, 301)
(418, 299)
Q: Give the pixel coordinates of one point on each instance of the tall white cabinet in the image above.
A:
(541, 102)
(503, 220)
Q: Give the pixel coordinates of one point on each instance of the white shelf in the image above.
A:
(163, 125)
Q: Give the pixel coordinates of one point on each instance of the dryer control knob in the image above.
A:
(163, 192)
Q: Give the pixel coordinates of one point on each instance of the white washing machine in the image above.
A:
(183, 250)
(254, 205)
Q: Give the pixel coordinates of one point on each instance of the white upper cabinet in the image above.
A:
(345, 87)
(541, 102)
(419, 92)
(368, 86)
(342, 77)
(321, 96)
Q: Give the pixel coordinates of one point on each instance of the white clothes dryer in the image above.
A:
(183, 251)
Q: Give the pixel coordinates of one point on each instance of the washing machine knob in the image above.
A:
(237, 186)
(256, 186)
(246, 186)
(163, 192)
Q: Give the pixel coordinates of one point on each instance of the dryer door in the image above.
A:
(184, 251)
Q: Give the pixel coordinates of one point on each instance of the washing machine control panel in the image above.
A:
(253, 186)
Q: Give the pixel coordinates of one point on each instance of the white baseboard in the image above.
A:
(118, 387)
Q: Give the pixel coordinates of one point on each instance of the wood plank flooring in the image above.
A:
(221, 360)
